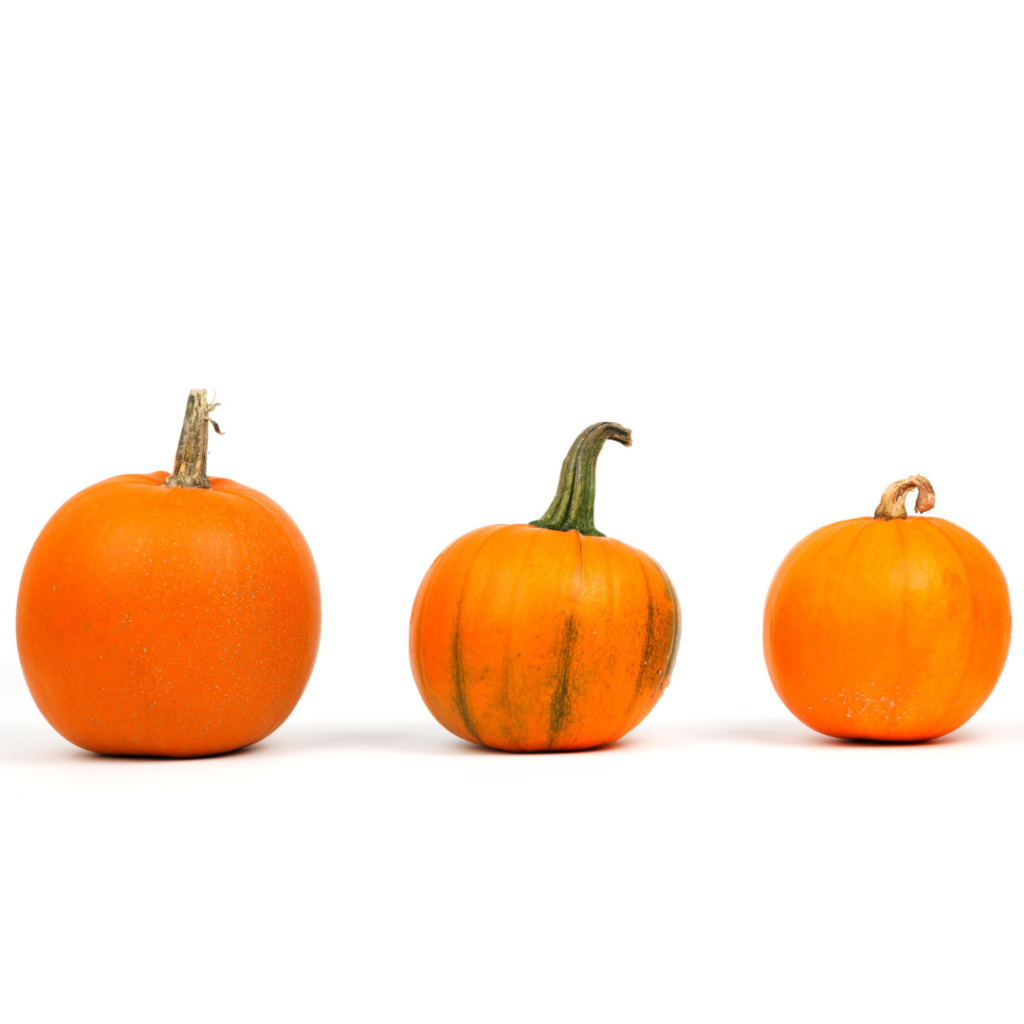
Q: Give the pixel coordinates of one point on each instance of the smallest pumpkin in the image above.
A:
(547, 636)
(887, 628)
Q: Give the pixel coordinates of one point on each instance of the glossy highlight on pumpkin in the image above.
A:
(887, 628)
(533, 638)
(169, 620)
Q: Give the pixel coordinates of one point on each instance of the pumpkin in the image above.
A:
(169, 615)
(890, 628)
(547, 635)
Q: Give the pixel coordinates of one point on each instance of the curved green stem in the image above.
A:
(573, 507)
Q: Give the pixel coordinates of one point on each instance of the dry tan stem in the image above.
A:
(190, 460)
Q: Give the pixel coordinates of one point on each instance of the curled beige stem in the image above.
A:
(893, 503)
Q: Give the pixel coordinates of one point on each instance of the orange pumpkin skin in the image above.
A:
(170, 621)
(887, 629)
(531, 639)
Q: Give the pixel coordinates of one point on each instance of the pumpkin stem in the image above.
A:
(190, 460)
(892, 505)
(573, 507)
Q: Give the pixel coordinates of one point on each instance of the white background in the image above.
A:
(780, 241)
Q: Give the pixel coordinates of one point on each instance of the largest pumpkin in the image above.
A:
(169, 615)
(548, 635)
(887, 628)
